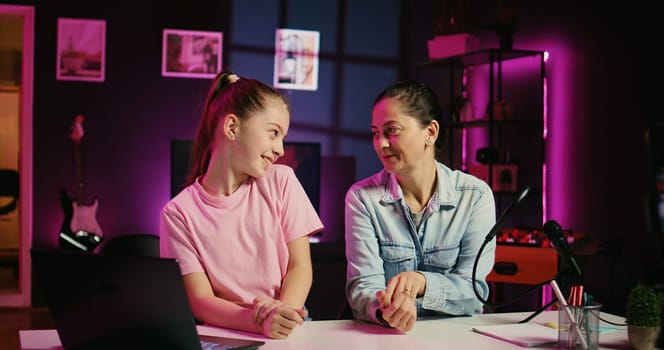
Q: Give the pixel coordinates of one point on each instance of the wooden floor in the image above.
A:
(14, 319)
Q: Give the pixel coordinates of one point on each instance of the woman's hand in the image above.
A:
(411, 283)
(398, 299)
(400, 312)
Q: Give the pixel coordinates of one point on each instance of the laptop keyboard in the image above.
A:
(205, 345)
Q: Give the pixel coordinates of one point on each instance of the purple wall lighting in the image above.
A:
(558, 87)
(545, 132)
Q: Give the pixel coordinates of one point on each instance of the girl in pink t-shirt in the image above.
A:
(240, 227)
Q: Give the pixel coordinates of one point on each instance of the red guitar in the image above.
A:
(80, 230)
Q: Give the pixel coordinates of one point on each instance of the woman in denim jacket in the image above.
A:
(414, 229)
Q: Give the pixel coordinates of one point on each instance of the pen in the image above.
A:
(572, 320)
(574, 301)
(580, 311)
(576, 296)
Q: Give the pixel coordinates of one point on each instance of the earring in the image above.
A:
(429, 141)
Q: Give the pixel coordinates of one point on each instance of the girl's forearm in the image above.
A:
(296, 286)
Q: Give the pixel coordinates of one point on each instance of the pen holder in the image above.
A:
(587, 318)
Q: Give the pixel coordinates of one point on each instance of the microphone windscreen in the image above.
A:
(552, 229)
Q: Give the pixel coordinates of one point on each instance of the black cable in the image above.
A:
(612, 323)
(486, 302)
(561, 276)
(537, 312)
(527, 319)
(491, 235)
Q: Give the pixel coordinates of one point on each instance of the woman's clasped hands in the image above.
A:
(277, 319)
(397, 300)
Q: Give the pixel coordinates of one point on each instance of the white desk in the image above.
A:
(438, 333)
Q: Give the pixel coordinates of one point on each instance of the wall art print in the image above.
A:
(191, 53)
(81, 49)
(296, 59)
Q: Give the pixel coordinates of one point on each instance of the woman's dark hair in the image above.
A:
(241, 96)
(418, 101)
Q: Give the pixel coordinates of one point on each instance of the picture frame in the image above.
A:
(191, 53)
(81, 49)
(296, 59)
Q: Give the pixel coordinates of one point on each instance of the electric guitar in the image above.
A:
(80, 230)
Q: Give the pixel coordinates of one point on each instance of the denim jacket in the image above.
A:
(382, 240)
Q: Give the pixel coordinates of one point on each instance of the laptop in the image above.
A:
(106, 301)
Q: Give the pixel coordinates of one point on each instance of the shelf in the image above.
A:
(518, 137)
(485, 122)
(475, 58)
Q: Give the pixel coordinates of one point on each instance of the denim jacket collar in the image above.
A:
(445, 195)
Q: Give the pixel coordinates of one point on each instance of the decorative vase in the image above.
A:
(642, 338)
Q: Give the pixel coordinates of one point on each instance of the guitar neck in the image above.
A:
(77, 172)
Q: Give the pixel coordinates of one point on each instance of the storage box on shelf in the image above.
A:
(453, 44)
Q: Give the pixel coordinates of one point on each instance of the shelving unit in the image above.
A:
(495, 100)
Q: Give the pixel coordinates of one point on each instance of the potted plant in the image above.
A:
(643, 317)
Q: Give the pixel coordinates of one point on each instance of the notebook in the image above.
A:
(522, 334)
(109, 301)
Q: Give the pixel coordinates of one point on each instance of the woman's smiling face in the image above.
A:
(398, 138)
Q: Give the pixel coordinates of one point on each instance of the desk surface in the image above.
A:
(437, 333)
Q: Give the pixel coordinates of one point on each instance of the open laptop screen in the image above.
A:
(105, 301)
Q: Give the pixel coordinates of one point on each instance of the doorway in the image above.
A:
(16, 86)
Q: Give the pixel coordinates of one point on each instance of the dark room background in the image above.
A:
(602, 76)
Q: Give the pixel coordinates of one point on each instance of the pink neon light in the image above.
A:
(464, 95)
(546, 289)
(464, 81)
(544, 211)
(545, 133)
(464, 165)
(546, 107)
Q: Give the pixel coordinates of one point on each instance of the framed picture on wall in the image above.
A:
(191, 53)
(296, 59)
(81, 49)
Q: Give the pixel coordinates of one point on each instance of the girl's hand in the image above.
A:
(282, 321)
(263, 306)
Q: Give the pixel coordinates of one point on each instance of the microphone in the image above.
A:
(554, 233)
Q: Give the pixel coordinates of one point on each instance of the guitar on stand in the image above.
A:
(80, 230)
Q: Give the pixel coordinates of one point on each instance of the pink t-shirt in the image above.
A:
(239, 241)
